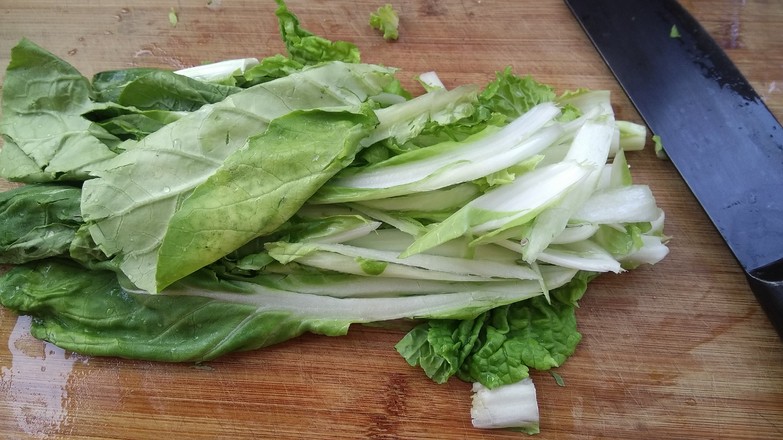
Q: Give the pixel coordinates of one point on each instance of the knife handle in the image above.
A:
(767, 284)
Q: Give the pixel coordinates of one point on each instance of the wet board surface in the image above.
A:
(678, 350)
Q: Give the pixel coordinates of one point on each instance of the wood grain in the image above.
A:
(679, 350)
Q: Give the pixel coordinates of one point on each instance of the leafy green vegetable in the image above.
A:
(440, 347)
(46, 137)
(307, 48)
(108, 85)
(164, 90)
(132, 203)
(39, 221)
(343, 258)
(263, 199)
(408, 119)
(201, 317)
(130, 123)
(386, 20)
(447, 163)
(505, 206)
(227, 72)
(558, 378)
(89, 312)
(274, 67)
(512, 95)
(532, 334)
(632, 136)
(292, 159)
(499, 347)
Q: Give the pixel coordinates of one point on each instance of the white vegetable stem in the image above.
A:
(442, 106)
(431, 81)
(507, 406)
(590, 148)
(470, 161)
(627, 204)
(219, 70)
(528, 194)
(462, 304)
(342, 258)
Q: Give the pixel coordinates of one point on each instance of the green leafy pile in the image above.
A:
(179, 216)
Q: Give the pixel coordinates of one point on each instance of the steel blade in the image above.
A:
(714, 127)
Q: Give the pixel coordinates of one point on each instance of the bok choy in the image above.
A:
(182, 215)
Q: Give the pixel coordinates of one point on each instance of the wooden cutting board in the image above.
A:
(678, 350)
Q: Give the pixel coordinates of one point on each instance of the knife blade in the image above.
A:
(717, 131)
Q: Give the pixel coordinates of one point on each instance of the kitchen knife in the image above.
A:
(714, 127)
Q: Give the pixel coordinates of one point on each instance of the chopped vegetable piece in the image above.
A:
(510, 406)
(386, 20)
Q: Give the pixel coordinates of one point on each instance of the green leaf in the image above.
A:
(512, 95)
(447, 163)
(504, 207)
(570, 293)
(440, 346)
(386, 20)
(307, 48)
(262, 185)
(131, 203)
(127, 123)
(203, 316)
(270, 68)
(165, 90)
(88, 312)
(109, 84)
(558, 378)
(46, 136)
(499, 347)
(529, 334)
(38, 221)
(620, 240)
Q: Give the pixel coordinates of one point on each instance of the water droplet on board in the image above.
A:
(37, 382)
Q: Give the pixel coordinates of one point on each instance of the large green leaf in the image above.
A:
(38, 221)
(46, 136)
(88, 312)
(499, 347)
(259, 187)
(133, 199)
(202, 316)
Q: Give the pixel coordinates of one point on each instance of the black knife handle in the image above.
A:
(767, 284)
